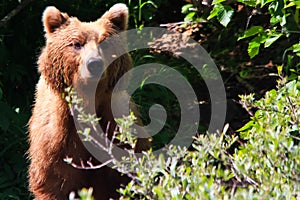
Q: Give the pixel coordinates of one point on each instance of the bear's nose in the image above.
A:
(95, 66)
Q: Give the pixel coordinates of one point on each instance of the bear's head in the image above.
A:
(74, 50)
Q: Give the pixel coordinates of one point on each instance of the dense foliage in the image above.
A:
(265, 167)
(248, 39)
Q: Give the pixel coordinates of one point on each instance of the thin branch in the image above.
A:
(233, 190)
(174, 24)
(14, 12)
(90, 165)
(246, 178)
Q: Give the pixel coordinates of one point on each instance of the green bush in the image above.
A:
(265, 166)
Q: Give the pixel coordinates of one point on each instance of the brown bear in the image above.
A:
(72, 57)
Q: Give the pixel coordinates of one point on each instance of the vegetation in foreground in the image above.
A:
(265, 166)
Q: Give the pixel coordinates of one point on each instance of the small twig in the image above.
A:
(107, 145)
(245, 106)
(174, 24)
(14, 12)
(247, 178)
(110, 144)
(233, 190)
(294, 137)
(90, 165)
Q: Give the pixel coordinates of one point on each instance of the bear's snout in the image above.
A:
(95, 66)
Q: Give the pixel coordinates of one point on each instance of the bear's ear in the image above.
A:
(53, 19)
(118, 15)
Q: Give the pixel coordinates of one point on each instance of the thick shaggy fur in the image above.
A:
(52, 133)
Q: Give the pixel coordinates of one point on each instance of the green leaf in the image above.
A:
(246, 127)
(217, 2)
(213, 13)
(158, 191)
(186, 8)
(271, 39)
(276, 11)
(254, 30)
(1, 93)
(147, 3)
(189, 17)
(293, 3)
(223, 13)
(251, 3)
(279, 70)
(254, 44)
(295, 48)
(264, 2)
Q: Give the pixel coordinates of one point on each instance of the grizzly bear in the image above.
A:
(72, 57)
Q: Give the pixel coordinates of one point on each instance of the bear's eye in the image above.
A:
(77, 45)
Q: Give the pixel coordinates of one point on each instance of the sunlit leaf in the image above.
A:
(264, 2)
(251, 3)
(271, 39)
(254, 44)
(189, 17)
(254, 30)
(186, 8)
(223, 14)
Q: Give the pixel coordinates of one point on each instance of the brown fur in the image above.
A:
(52, 133)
